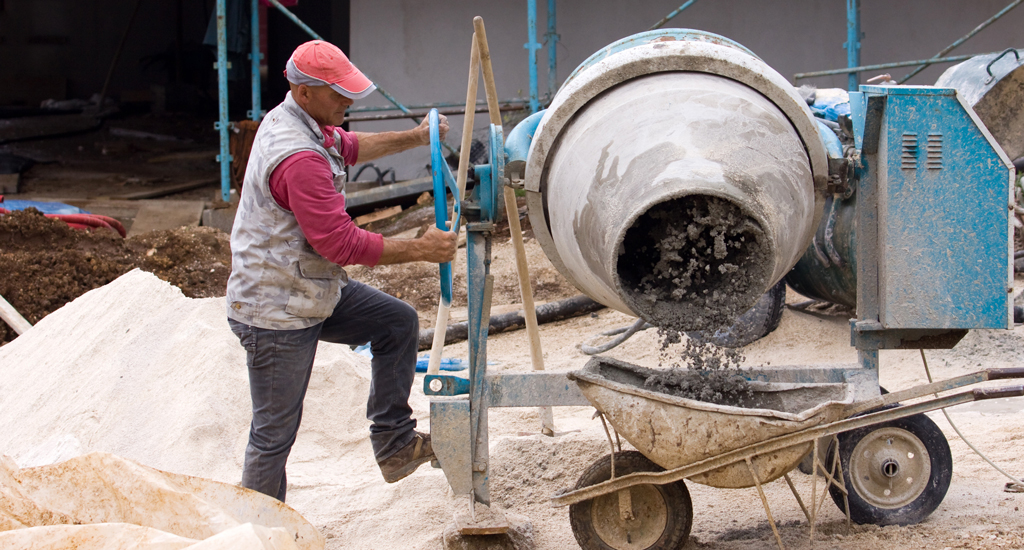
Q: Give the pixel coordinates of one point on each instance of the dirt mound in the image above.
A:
(46, 264)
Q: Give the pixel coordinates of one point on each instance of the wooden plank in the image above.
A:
(166, 214)
(378, 215)
(16, 129)
(483, 520)
(12, 317)
(210, 155)
(385, 193)
(168, 189)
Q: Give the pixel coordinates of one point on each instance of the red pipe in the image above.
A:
(84, 221)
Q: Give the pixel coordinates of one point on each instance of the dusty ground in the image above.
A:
(44, 265)
(528, 468)
(107, 163)
(975, 513)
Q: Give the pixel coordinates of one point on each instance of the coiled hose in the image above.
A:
(85, 221)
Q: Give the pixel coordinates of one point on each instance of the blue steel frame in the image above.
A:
(222, 99)
(256, 113)
(551, 39)
(852, 45)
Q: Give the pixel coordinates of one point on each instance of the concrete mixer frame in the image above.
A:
(924, 163)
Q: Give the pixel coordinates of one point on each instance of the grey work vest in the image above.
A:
(277, 280)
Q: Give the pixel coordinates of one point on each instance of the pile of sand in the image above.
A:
(137, 369)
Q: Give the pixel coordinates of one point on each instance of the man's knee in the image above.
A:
(409, 320)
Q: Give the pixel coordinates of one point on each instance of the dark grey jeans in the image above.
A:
(280, 363)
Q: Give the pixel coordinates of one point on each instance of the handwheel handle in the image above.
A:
(442, 176)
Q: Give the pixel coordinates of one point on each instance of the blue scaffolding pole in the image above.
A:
(255, 57)
(852, 42)
(551, 41)
(669, 17)
(222, 97)
(532, 46)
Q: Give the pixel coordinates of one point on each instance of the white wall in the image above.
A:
(419, 50)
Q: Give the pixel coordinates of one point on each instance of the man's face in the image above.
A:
(326, 106)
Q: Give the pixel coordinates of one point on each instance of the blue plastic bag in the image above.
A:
(831, 103)
(44, 207)
(447, 363)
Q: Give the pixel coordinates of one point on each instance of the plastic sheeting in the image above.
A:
(102, 501)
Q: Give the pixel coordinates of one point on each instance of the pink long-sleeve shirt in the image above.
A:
(304, 184)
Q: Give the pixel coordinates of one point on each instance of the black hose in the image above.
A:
(625, 332)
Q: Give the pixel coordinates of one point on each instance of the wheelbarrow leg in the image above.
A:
(764, 501)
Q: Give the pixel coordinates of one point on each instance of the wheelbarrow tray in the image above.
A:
(675, 431)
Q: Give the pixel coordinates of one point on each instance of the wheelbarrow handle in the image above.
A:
(996, 393)
(1005, 374)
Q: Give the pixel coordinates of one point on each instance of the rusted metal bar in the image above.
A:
(863, 68)
(669, 17)
(962, 39)
(481, 109)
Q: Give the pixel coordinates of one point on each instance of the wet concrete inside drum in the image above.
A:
(695, 262)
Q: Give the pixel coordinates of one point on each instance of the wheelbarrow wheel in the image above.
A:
(896, 473)
(655, 517)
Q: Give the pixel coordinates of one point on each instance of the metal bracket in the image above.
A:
(865, 335)
(445, 384)
(449, 432)
(840, 172)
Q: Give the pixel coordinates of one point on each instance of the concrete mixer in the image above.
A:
(675, 176)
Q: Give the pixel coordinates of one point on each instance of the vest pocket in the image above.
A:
(316, 292)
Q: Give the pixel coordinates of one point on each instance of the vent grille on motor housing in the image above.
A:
(934, 148)
(909, 156)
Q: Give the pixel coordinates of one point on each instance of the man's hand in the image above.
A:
(373, 146)
(424, 128)
(438, 246)
(435, 246)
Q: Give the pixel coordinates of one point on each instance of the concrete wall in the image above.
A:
(419, 51)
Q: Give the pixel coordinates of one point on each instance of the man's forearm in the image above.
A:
(399, 251)
(434, 246)
(374, 145)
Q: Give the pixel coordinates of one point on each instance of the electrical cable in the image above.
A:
(1015, 486)
(625, 332)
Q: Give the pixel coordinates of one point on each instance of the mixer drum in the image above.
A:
(680, 196)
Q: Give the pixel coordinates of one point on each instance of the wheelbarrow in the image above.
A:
(886, 463)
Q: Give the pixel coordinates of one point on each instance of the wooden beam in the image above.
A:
(378, 215)
(12, 317)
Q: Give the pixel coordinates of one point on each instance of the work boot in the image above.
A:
(407, 459)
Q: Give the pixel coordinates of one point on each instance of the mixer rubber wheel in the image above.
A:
(662, 514)
(759, 321)
(896, 473)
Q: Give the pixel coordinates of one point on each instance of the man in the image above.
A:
(287, 289)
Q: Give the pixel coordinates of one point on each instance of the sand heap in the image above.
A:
(137, 369)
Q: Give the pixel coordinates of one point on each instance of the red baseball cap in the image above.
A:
(319, 63)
